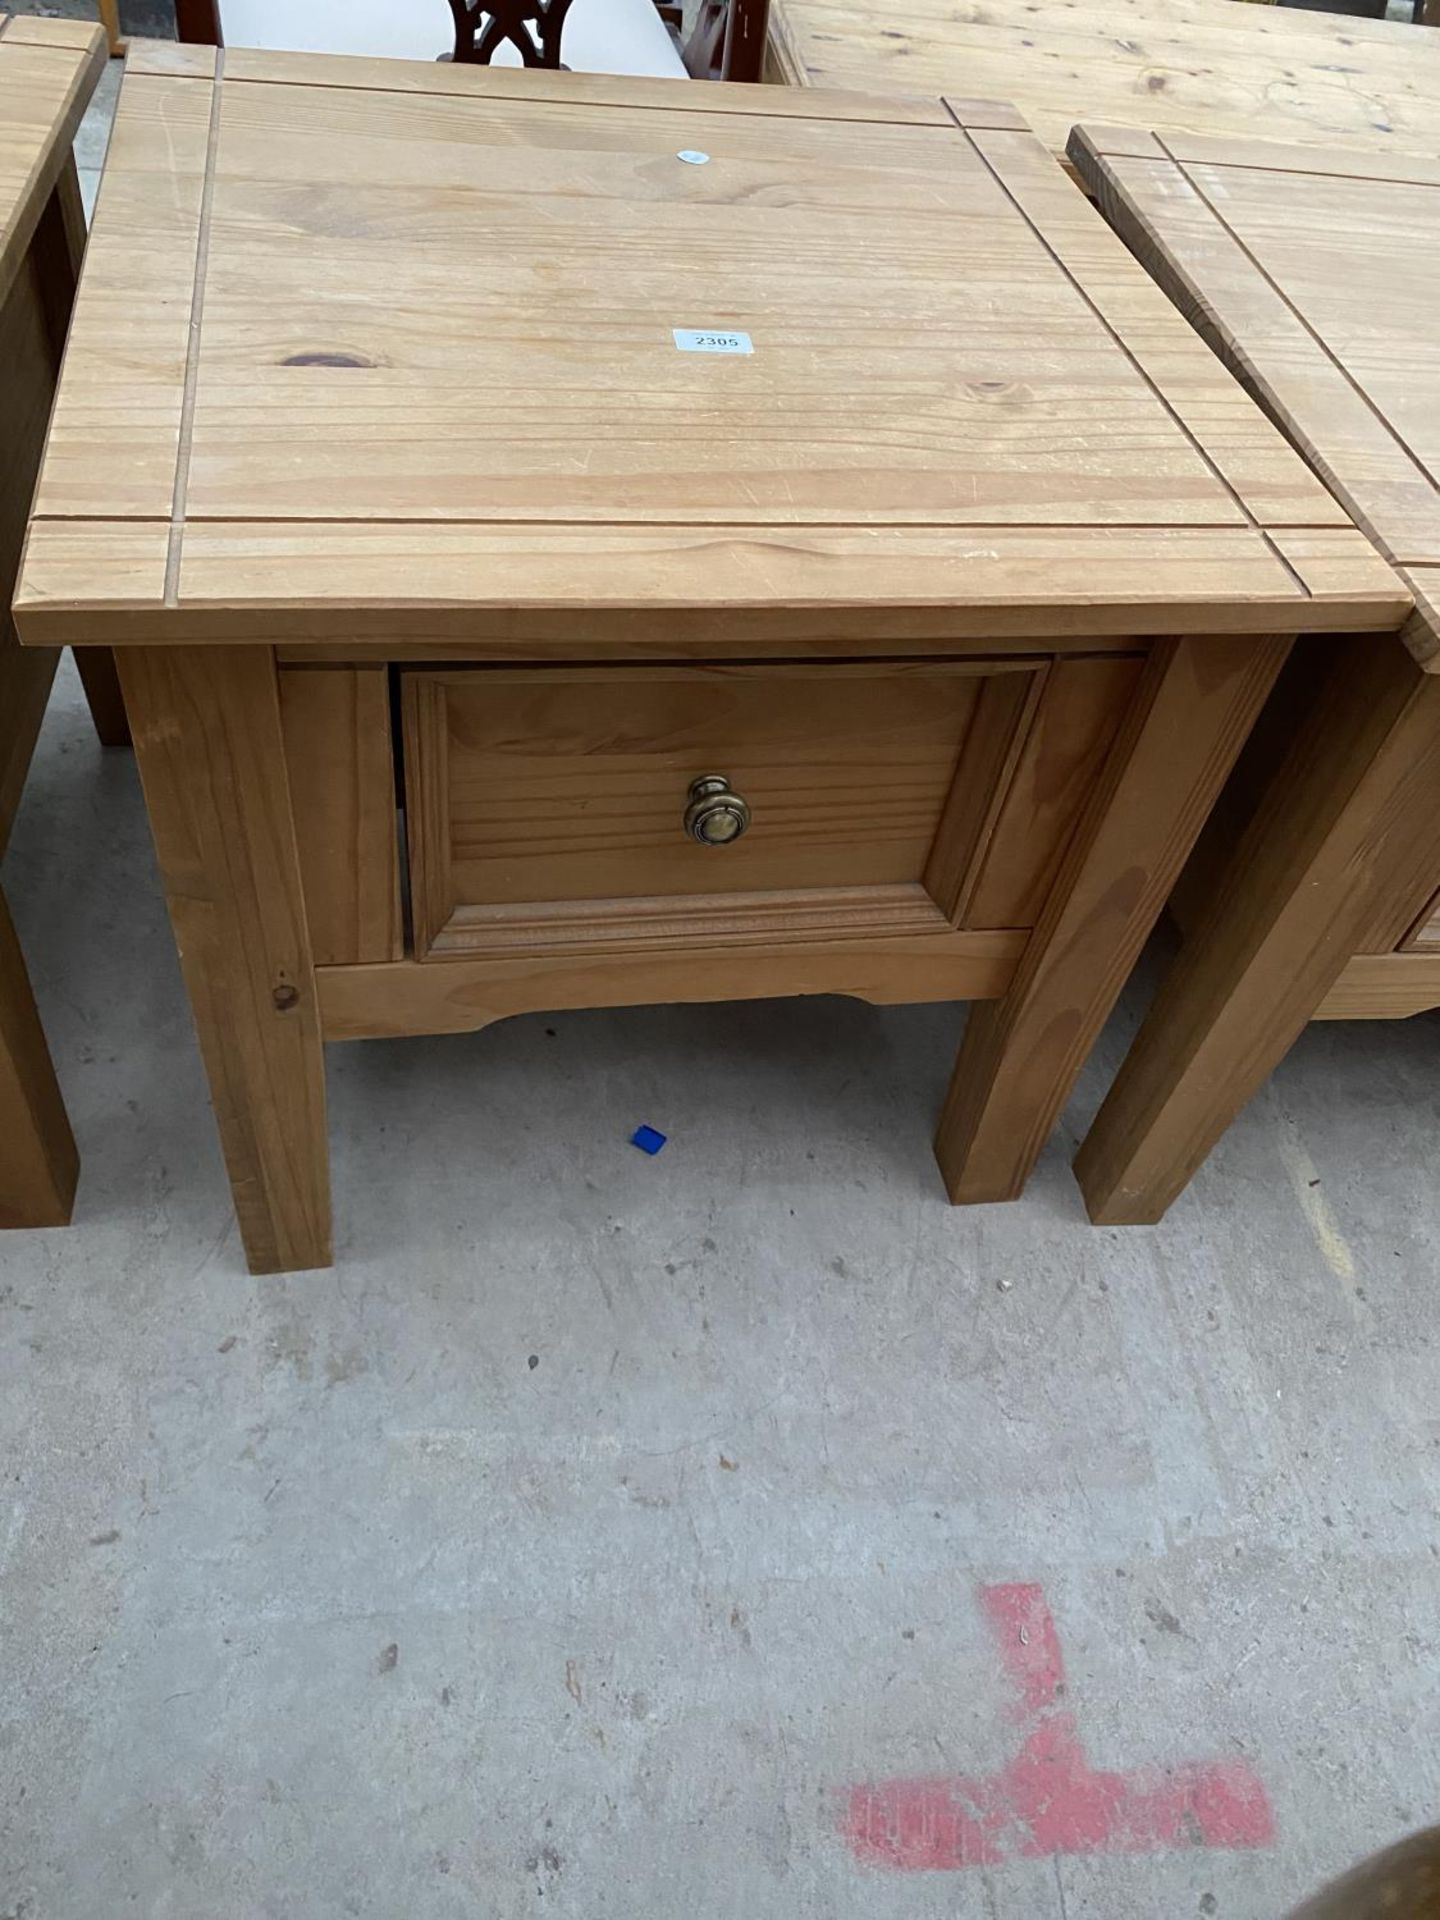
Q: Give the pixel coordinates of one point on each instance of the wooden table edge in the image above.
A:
(1092, 150)
(105, 582)
(51, 163)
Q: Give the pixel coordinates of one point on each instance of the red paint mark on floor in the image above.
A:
(1049, 1799)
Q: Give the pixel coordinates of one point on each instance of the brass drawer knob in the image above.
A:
(715, 815)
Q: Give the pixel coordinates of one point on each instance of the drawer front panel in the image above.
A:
(546, 808)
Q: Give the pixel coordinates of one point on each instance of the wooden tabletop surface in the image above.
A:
(1212, 66)
(48, 71)
(358, 339)
(1317, 276)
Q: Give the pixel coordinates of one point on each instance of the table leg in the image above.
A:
(206, 722)
(101, 680)
(1021, 1054)
(38, 1162)
(1345, 845)
(110, 20)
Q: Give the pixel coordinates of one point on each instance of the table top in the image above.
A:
(48, 71)
(1212, 66)
(362, 340)
(1317, 276)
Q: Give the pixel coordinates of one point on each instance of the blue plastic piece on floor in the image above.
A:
(647, 1139)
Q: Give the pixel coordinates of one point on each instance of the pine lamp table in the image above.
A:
(1317, 893)
(48, 71)
(765, 543)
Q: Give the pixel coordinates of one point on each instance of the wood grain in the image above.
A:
(1000, 729)
(1080, 713)
(1254, 458)
(1383, 986)
(116, 431)
(570, 788)
(1273, 267)
(1331, 562)
(698, 923)
(1347, 824)
(1189, 716)
(56, 252)
(1333, 858)
(897, 417)
(506, 591)
(1207, 66)
(359, 1003)
(555, 195)
(39, 1165)
(211, 753)
(1272, 155)
(45, 30)
(48, 71)
(377, 363)
(341, 769)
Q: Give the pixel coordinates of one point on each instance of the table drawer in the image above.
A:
(547, 808)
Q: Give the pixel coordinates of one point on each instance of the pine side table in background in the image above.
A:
(1315, 894)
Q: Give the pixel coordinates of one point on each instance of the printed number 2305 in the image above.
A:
(708, 340)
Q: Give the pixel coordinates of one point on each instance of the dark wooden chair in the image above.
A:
(588, 36)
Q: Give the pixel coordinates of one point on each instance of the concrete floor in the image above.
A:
(616, 1536)
(586, 1538)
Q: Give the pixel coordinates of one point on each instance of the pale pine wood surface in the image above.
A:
(1315, 276)
(118, 427)
(508, 591)
(209, 744)
(1192, 710)
(1317, 282)
(570, 790)
(48, 71)
(337, 724)
(399, 375)
(1004, 722)
(1209, 66)
(414, 996)
(1345, 828)
(371, 338)
(1079, 713)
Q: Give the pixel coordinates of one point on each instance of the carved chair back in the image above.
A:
(728, 41)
